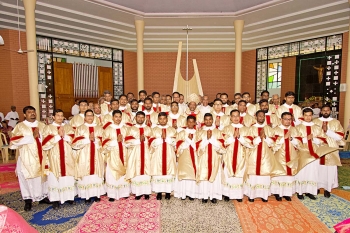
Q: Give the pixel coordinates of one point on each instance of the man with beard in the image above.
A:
(163, 100)
(328, 172)
(285, 149)
(115, 150)
(205, 108)
(290, 107)
(176, 98)
(251, 109)
(235, 157)
(176, 120)
(97, 112)
(142, 97)
(209, 144)
(89, 161)
(130, 97)
(220, 119)
(314, 146)
(168, 101)
(27, 137)
(134, 106)
(108, 118)
(225, 107)
(57, 142)
(105, 107)
(236, 98)
(265, 95)
(151, 117)
(163, 159)
(270, 118)
(138, 162)
(192, 109)
(78, 120)
(245, 119)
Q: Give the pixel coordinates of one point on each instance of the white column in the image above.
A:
(238, 24)
(29, 7)
(140, 27)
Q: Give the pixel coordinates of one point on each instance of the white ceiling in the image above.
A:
(111, 22)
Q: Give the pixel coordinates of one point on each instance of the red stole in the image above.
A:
(143, 108)
(193, 158)
(193, 114)
(268, 119)
(241, 119)
(287, 145)
(217, 117)
(120, 146)
(173, 121)
(258, 159)
(155, 109)
(223, 109)
(210, 157)
(323, 158)
(309, 143)
(39, 146)
(92, 153)
(142, 172)
(164, 160)
(62, 155)
(291, 112)
(235, 153)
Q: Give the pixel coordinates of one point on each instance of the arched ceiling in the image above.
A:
(111, 22)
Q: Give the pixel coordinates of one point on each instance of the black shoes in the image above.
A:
(300, 196)
(204, 200)
(309, 195)
(71, 202)
(97, 199)
(265, 200)
(55, 205)
(159, 196)
(138, 197)
(111, 199)
(327, 194)
(28, 205)
(146, 197)
(87, 201)
(250, 200)
(239, 200)
(278, 198)
(191, 199)
(45, 201)
(167, 196)
(227, 199)
(214, 200)
(287, 198)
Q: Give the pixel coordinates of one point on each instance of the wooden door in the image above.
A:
(64, 87)
(105, 80)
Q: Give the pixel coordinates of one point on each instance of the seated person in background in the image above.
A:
(5, 129)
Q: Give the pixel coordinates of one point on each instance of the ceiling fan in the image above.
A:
(19, 51)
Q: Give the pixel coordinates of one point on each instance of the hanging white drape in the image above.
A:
(85, 80)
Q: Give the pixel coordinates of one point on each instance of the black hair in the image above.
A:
(245, 93)
(117, 111)
(242, 101)
(224, 94)
(174, 102)
(217, 99)
(83, 101)
(155, 93)
(140, 113)
(89, 110)
(286, 114)
(26, 108)
(265, 91)
(162, 114)
(289, 93)
(147, 98)
(259, 111)
(176, 93)
(189, 117)
(143, 91)
(208, 114)
(114, 100)
(57, 111)
(122, 96)
(305, 110)
(326, 106)
(234, 110)
(263, 101)
(134, 100)
(237, 94)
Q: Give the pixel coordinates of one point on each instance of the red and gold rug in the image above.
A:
(128, 215)
(277, 217)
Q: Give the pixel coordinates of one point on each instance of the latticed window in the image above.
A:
(275, 74)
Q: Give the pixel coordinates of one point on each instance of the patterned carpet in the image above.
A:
(193, 216)
(128, 215)
(329, 210)
(43, 217)
(277, 217)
